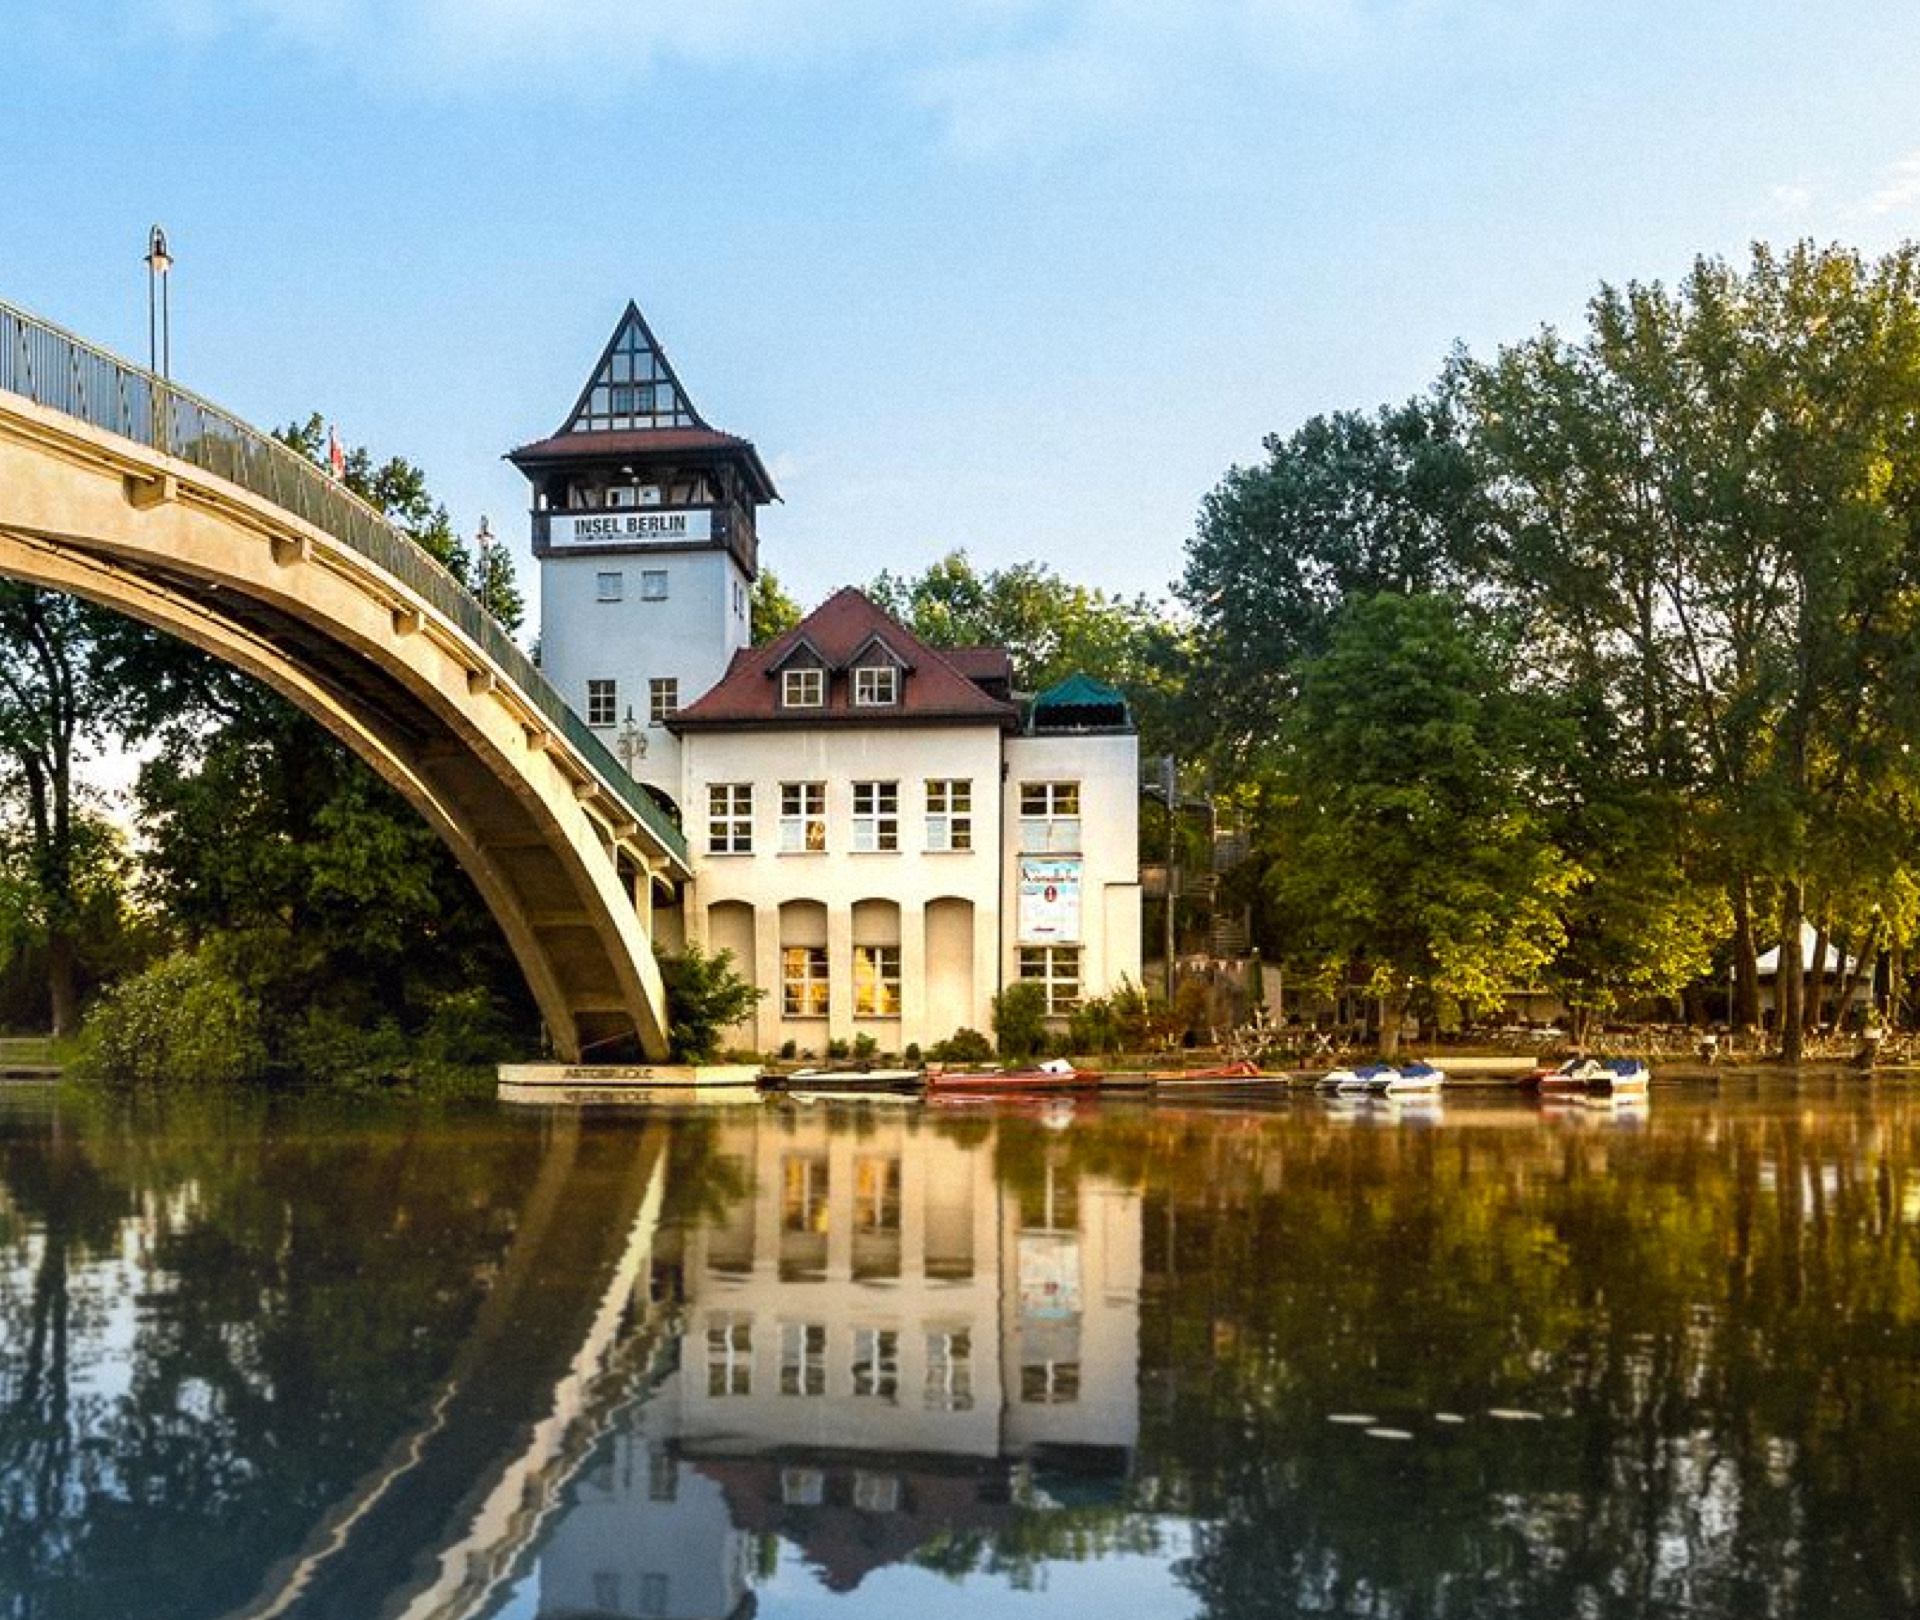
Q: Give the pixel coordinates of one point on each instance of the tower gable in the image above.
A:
(633, 387)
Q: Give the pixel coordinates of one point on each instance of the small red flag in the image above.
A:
(336, 457)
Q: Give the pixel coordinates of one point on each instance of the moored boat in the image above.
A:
(848, 1080)
(1243, 1072)
(1620, 1077)
(1413, 1079)
(1353, 1080)
(1056, 1074)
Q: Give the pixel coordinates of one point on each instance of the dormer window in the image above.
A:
(803, 688)
(876, 687)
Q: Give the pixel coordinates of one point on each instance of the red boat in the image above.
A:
(1054, 1075)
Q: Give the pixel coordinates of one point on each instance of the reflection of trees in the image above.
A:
(299, 1291)
(1718, 1319)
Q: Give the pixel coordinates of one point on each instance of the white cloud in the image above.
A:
(1900, 192)
(1792, 198)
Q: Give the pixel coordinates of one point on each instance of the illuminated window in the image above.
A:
(603, 703)
(1050, 818)
(876, 688)
(803, 1193)
(949, 814)
(876, 981)
(1056, 969)
(803, 817)
(876, 816)
(803, 981)
(803, 688)
(729, 818)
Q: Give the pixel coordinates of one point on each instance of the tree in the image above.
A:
(772, 612)
(1712, 508)
(53, 701)
(1052, 629)
(1349, 505)
(705, 997)
(1410, 841)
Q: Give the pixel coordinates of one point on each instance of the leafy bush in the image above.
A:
(184, 1021)
(704, 997)
(1020, 1020)
(962, 1046)
(836, 1049)
(865, 1048)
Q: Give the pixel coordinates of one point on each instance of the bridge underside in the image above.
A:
(559, 863)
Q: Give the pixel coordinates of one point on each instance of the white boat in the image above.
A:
(1414, 1079)
(1365, 1078)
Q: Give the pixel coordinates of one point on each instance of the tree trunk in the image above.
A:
(1896, 1014)
(63, 992)
(1393, 1012)
(1862, 963)
(1789, 981)
(1746, 972)
(1817, 979)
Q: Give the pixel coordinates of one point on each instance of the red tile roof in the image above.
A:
(933, 689)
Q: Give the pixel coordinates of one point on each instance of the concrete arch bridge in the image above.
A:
(118, 487)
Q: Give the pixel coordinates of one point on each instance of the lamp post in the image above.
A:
(159, 315)
(630, 745)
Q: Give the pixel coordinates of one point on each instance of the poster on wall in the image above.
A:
(1049, 1276)
(1049, 900)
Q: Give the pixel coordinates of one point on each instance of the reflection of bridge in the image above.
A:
(117, 487)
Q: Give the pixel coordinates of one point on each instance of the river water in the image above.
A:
(320, 1358)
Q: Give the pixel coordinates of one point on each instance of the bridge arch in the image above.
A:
(120, 489)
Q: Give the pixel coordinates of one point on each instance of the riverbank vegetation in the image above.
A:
(1593, 668)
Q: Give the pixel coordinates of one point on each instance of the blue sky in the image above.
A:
(1019, 276)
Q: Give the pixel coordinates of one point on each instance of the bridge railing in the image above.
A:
(65, 373)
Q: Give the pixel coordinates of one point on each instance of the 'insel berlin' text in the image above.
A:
(631, 526)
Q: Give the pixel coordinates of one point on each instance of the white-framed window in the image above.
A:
(803, 688)
(803, 818)
(802, 1487)
(729, 1356)
(876, 816)
(875, 1493)
(949, 814)
(663, 697)
(876, 981)
(603, 702)
(729, 818)
(1050, 818)
(950, 1370)
(739, 600)
(876, 686)
(611, 587)
(1050, 1383)
(621, 496)
(876, 1364)
(803, 981)
(1056, 969)
(653, 584)
(803, 1358)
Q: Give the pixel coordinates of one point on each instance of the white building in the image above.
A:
(883, 834)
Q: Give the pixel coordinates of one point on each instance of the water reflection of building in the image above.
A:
(883, 1345)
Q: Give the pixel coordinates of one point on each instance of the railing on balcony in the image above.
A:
(61, 372)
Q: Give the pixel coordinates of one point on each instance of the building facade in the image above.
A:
(884, 833)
